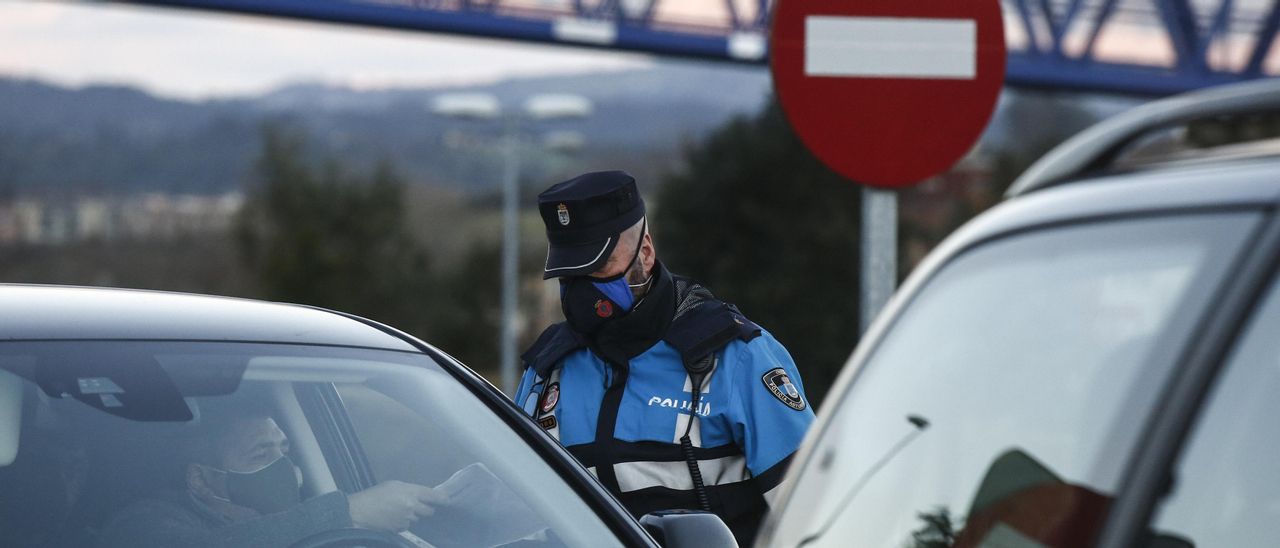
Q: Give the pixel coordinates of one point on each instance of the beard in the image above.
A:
(637, 279)
(636, 275)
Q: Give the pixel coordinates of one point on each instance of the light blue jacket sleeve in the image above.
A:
(769, 408)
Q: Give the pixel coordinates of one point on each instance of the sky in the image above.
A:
(198, 55)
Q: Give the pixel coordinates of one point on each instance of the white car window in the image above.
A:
(999, 407)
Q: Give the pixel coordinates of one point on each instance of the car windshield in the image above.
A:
(180, 443)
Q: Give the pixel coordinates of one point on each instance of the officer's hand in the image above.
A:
(393, 505)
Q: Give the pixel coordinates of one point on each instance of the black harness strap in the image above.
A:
(606, 422)
(556, 343)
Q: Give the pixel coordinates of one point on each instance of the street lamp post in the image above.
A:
(510, 247)
(536, 108)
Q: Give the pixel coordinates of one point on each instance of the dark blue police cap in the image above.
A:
(584, 217)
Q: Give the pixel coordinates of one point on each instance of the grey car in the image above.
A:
(1096, 361)
(104, 393)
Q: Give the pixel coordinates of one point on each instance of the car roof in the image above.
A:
(42, 312)
(1106, 141)
(1237, 184)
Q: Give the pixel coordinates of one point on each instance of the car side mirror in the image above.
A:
(688, 529)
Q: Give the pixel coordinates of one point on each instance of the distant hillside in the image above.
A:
(114, 139)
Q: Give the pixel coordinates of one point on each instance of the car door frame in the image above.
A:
(1149, 474)
(327, 415)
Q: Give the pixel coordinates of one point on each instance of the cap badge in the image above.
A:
(603, 308)
(562, 212)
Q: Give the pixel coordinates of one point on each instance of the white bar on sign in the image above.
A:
(890, 47)
(584, 31)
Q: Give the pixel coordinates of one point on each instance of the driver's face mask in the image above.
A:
(588, 303)
(270, 489)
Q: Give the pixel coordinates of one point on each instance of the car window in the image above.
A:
(404, 445)
(226, 444)
(1226, 485)
(999, 407)
(400, 444)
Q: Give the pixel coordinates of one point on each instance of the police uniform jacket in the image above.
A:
(621, 402)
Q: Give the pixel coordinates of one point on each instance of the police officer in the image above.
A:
(671, 397)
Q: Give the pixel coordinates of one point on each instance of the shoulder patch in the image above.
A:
(779, 383)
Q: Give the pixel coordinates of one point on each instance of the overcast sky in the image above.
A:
(196, 54)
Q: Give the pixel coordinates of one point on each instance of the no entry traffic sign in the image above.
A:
(888, 92)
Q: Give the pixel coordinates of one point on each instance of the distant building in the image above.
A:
(93, 220)
(8, 225)
(151, 216)
(29, 216)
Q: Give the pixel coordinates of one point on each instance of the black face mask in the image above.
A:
(270, 489)
(588, 303)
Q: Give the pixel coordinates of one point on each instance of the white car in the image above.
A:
(1094, 362)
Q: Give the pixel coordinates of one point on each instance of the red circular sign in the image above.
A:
(888, 92)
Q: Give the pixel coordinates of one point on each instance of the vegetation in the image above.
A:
(331, 239)
(748, 211)
(937, 530)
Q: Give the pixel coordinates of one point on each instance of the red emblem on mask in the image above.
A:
(603, 308)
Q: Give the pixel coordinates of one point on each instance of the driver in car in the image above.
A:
(242, 490)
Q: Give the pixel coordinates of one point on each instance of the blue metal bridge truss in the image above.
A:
(1148, 47)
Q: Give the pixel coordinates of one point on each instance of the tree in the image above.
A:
(937, 530)
(334, 240)
(467, 316)
(766, 226)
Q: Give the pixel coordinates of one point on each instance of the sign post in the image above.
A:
(887, 93)
(879, 253)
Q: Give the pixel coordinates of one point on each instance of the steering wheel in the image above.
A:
(351, 537)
